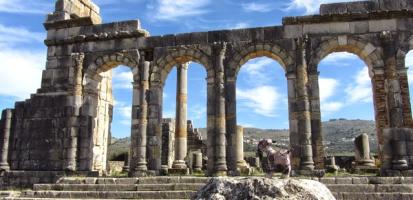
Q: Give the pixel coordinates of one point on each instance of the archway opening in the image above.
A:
(120, 127)
(196, 115)
(262, 105)
(347, 109)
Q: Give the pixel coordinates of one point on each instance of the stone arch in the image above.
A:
(369, 53)
(164, 64)
(250, 51)
(97, 106)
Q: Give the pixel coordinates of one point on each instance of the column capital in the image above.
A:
(184, 65)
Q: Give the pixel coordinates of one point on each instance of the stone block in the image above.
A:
(383, 25)
(359, 27)
(339, 27)
(273, 33)
(333, 9)
(361, 7)
(316, 28)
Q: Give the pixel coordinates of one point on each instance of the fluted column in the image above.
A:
(316, 126)
(303, 112)
(181, 117)
(4, 139)
(231, 123)
(220, 128)
(140, 122)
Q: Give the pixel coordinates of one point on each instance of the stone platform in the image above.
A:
(348, 188)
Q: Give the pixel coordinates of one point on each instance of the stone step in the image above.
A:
(371, 188)
(29, 198)
(372, 196)
(365, 180)
(145, 180)
(183, 194)
(118, 187)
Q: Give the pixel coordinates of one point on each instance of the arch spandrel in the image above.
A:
(368, 52)
(166, 60)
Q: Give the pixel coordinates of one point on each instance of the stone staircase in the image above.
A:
(346, 188)
(116, 188)
(370, 188)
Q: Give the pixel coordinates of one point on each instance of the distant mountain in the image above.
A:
(338, 134)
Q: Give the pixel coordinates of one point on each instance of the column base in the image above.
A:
(399, 165)
(179, 164)
(220, 173)
(183, 172)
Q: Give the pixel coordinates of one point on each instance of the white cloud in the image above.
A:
(21, 69)
(26, 7)
(9, 36)
(360, 90)
(197, 112)
(21, 72)
(327, 87)
(262, 100)
(329, 107)
(257, 7)
(122, 79)
(172, 10)
(256, 71)
(311, 6)
(340, 58)
(239, 25)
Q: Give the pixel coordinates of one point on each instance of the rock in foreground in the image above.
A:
(263, 188)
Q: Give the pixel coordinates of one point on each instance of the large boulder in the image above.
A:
(263, 188)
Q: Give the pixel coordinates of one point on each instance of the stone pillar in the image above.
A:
(210, 125)
(303, 112)
(231, 123)
(197, 162)
(404, 86)
(316, 126)
(4, 138)
(220, 162)
(140, 122)
(70, 145)
(154, 131)
(181, 118)
(362, 151)
(293, 122)
(239, 146)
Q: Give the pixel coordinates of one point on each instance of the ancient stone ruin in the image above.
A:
(65, 125)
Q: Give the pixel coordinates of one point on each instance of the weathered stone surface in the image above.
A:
(263, 188)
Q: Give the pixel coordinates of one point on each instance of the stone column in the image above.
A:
(75, 99)
(239, 146)
(181, 118)
(210, 125)
(231, 123)
(197, 162)
(362, 151)
(140, 122)
(316, 126)
(154, 131)
(303, 112)
(4, 138)
(404, 86)
(220, 128)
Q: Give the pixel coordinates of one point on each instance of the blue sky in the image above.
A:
(261, 85)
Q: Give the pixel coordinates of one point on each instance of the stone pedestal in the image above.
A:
(330, 165)
(181, 118)
(239, 146)
(4, 139)
(362, 151)
(197, 162)
(125, 167)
